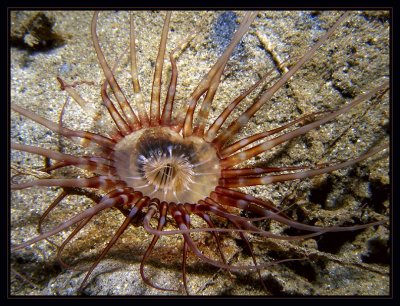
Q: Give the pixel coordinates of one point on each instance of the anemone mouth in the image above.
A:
(162, 164)
(168, 173)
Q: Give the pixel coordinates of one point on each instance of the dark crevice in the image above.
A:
(381, 16)
(273, 285)
(378, 252)
(244, 246)
(345, 93)
(380, 193)
(319, 195)
(332, 242)
(38, 274)
(303, 268)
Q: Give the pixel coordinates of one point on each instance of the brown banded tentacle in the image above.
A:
(60, 197)
(244, 118)
(86, 106)
(156, 88)
(216, 125)
(67, 240)
(62, 164)
(142, 262)
(109, 200)
(236, 146)
(244, 223)
(169, 99)
(163, 209)
(57, 165)
(244, 238)
(209, 77)
(210, 224)
(144, 119)
(210, 206)
(120, 122)
(184, 258)
(182, 220)
(206, 104)
(186, 220)
(247, 205)
(166, 116)
(105, 142)
(267, 204)
(100, 182)
(137, 204)
(193, 247)
(238, 224)
(94, 164)
(115, 115)
(256, 150)
(76, 230)
(127, 111)
(253, 257)
(241, 223)
(228, 173)
(269, 179)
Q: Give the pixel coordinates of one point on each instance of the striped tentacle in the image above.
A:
(270, 179)
(210, 224)
(169, 100)
(127, 111)
(216, 125)
(56, 165)
(215, 207)
(100, 182)
(163, 209)
(256, 150)
(144, 119)
(137, 202)
(240, 195)
(205, 207)
(253, 257)
(94, 164)
(76, 230)
(244, 118)
(62, 164)
(61, 196)
(109, 200)
(209, 78)
(215, 203)
(247, 205)
(206, 105)
(67, 240)
(238, 224)
(186, 220)
(227, 173)
(105, 142)
(182, 219)
(120, 122)
(236, 146)
(122, 127)
(156, 88)
(86, 106)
